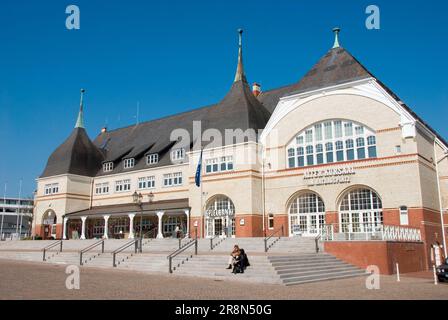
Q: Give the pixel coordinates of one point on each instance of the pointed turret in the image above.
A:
(240, 76)
(239, 109)
(336, 67)
(77, 155)
(80, 121)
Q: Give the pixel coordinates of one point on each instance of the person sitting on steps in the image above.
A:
(233, 255)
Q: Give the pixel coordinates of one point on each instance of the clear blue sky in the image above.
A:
(178, 55)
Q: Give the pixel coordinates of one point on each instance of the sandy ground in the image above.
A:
(26, 280)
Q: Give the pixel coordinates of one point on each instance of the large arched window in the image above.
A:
(331, 141)
(361, 211)
(306, 215)
(220, 217)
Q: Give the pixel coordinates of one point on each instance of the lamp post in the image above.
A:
(138, 199)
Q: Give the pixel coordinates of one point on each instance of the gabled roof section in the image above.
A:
(336, 67)
(77, 155)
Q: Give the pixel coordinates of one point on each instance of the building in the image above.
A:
(335, 153)
(16, 216)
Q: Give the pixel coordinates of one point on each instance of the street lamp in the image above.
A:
(137, 198)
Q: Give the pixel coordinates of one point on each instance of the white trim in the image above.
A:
(368, 88)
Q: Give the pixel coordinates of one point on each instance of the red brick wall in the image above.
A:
(253, 226)
(409, 256)
(200, 229)
(279, 221)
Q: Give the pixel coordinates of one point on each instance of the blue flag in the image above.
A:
(199, 171)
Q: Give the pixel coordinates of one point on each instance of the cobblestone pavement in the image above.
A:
(25, 280)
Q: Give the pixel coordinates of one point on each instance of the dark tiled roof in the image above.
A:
(337, 66)
(77, 155)
(238, 110)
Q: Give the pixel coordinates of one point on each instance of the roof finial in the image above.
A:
(80, 121)
(240, 76)
(336, 37)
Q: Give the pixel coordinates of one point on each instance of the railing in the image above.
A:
(213, 246)
(96, 244)
(50, 247)
(266, 247)
(134, 242)
(316, 241)
(148, 234)
(182, 249)
(369, 232)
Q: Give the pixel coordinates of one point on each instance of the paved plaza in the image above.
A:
(28, 280)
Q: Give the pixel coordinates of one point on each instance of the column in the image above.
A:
(83, 231)
(131, 225)
(64, 229)
(187, 212)
(106, 227)
(159, 228)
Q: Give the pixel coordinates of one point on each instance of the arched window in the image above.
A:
(331, 141)
(220, 217)
(360, 211)
(306, 215)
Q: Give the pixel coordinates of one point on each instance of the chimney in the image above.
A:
(104, 130)
(256, 89)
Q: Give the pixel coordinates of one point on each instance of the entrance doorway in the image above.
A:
(306, 215)
(49, 221)
(220, 217)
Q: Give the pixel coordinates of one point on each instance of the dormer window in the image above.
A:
(52, 188)
(108, 167)
(152, 159)
(129, 163)
(178, 154)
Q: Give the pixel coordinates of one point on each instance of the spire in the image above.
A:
(240, 76)
(336, 37)
(80, 121)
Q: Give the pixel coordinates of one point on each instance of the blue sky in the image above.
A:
(179, 55)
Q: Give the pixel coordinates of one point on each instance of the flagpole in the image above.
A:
(18, 207)
(3, 215)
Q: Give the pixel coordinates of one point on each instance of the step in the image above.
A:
(317, 272)
(323, 277)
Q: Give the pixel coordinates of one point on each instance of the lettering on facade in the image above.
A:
(219, 213)
(328, 176)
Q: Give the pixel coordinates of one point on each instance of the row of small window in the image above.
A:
(336, 129)
(52, 188)
(176, 155)
(337, 152)
(169, 180)
(219, 164)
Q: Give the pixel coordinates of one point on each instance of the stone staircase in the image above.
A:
(307, 268)
(289, 261)
(214, 267)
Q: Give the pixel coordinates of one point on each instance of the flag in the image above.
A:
(199, 171)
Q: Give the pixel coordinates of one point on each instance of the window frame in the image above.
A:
(152, 159)
(347, 138)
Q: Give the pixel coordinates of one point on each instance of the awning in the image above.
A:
(125, 209)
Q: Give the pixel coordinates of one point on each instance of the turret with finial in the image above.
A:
(336, 37)
(80, 120)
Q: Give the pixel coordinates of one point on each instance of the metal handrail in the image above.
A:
(125, 246)
(96, 244)
(211, 241)
(316, 240)
(59, 242)
(213, 246)
(271, 236)
(143, 237)
(180, 250)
